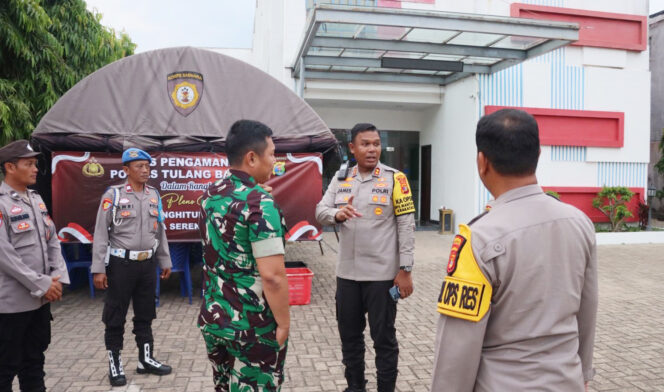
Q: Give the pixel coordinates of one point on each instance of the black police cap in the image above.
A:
(17, 149)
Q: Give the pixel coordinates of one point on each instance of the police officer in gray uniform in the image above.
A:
(519, 300)
(373, 206)
(32, 271)
(129, 243)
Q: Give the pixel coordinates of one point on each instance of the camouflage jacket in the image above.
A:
(239, 222)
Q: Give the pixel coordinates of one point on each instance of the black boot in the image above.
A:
(386, 385)
(356, 384)
(147, 363)
(116, 373)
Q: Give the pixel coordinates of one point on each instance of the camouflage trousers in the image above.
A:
(246, 366)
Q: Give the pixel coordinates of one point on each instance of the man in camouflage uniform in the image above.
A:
(245, 317)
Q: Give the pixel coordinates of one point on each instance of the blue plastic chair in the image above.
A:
(77, 256)
(180, 260)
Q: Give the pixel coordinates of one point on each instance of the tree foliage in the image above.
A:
(47, 46)
(659, 166)
(611, 201)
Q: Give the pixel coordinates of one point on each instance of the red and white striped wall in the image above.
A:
(591, 101)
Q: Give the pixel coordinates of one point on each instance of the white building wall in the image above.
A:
(278, 30)
(580, 78)
(450, 130)
(384, 119)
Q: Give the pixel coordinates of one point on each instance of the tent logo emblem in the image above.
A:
(185, 90)
(93, 169)
(279, 169)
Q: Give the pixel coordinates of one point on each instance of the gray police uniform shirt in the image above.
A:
(372, 247)
(539, 257)
(29, 251)
(139, 228)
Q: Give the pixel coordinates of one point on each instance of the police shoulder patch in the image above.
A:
(466, 292)
(106, 204)
(402, 198)
(457, 245)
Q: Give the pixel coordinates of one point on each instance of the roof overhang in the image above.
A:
(416, 46)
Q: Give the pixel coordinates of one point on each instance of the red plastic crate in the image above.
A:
(299, 285)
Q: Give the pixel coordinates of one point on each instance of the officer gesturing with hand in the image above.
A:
(373, 206)
(347, 212)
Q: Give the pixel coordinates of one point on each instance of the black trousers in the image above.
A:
(23, 339)
(134, 281)
(354, 299)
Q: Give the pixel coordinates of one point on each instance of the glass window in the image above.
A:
(343, 30)
(315, 51)
(475, 39)
(383, 32)
(432, 36)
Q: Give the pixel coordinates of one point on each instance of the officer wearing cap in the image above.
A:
(129, 243)
(32, 271)
(373, 206)
(518, 303)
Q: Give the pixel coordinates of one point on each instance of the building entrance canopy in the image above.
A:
(416, 46)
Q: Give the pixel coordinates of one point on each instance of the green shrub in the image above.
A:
(611, 201)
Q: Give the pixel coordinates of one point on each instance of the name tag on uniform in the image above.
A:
(380, 191)
(17, 218)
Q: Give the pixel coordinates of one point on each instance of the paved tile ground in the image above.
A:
(629, 354)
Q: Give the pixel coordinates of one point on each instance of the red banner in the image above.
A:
(79, 180)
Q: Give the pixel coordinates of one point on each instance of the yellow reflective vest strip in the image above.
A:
(402, 197)
(466, 292)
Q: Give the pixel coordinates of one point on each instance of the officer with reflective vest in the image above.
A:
(373, 205)
(518, 303)
(32, 271)
(129, 243)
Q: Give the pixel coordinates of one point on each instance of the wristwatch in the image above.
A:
(406, 268)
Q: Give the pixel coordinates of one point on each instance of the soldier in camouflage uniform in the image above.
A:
(245, 318)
